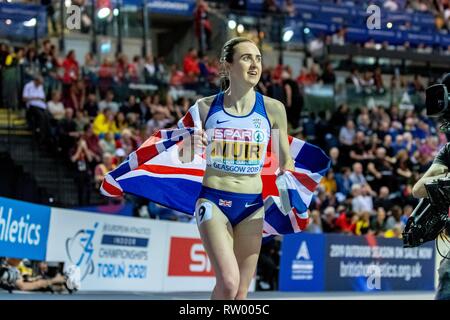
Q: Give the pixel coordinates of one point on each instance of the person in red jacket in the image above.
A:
(203, 29)
(71, 68)
(71, 71)
(191, 67)
(346, 222)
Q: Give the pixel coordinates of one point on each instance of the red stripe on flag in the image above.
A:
(171, 170)
(112, 190)
(269, 146)
(301, 222)
(188, 121)
(304, 179)
(146, 153)
(269, 186)
(268, 175)
(290, 138)
(152, 140)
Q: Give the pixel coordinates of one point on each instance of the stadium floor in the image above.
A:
(261, 295)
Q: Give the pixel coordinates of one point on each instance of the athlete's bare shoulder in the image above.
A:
(272, 103)
(203, 106)
(206, 100)
(274, 108)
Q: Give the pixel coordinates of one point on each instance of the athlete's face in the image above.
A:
(246, 64)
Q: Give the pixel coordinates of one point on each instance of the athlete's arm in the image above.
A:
(436, 171)
(39, 284)
(186, 149)
(277, 116)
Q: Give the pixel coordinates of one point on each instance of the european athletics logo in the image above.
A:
(80, 249)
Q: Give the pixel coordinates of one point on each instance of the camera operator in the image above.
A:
(439, 169)
(11, 279)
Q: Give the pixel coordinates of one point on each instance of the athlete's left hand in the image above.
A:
(288, 167)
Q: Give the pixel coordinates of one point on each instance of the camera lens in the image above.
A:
(436, 100)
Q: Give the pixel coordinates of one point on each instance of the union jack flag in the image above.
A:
(155, 172)
(225, 203)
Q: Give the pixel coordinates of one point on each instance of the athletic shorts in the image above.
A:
(235, 206)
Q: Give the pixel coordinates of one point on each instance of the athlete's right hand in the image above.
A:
(200, 139)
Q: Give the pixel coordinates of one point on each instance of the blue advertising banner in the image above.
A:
(374, 263)
(20, 11)
(23, 229)
(175, 7)
(302, 263)
(23, 21)
(255, 6)
(333, 262)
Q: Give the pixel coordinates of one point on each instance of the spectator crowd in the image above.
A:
(89, 115)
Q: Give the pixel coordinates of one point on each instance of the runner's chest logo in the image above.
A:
(257, 122)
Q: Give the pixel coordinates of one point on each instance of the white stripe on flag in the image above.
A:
(171, 157)
(111, 181)
(294, 221)
(294, 184)
(269, 229)
(140, 173)
(195, 115)
(315, 176)
(132, 160)
(180, 134)
(160, 147)
(271, 200)
(296, 146)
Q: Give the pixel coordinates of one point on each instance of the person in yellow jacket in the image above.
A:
(395, 232)
(104, 123)
(363, 224)
(329, 182)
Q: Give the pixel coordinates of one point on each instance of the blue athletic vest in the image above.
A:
(237, 144)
